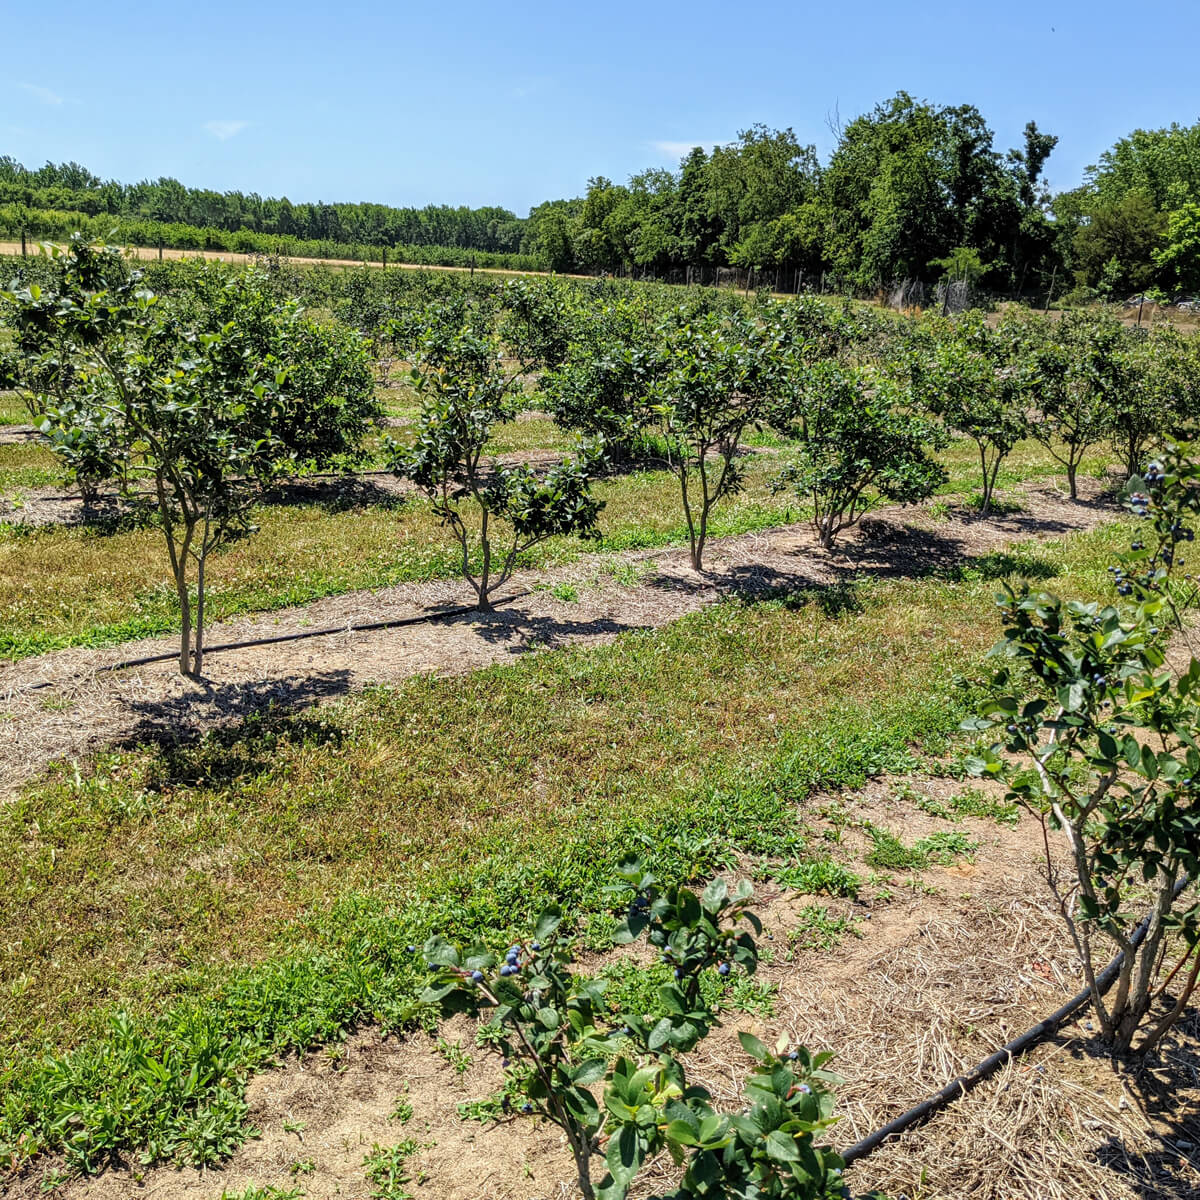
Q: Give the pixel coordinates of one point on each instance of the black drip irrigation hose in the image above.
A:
(1030, 1038)
(326, 631)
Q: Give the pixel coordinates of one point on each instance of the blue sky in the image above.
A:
(472, 103)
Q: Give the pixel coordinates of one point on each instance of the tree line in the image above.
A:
(71, 187)
(912, 191)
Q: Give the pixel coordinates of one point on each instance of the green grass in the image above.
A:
(12, 409)
(889, 853)
(254, 1192)
(1029, 460)
(970, 802)
(814, 876)
(25, 465)
(387, 1170)
(817, 929)
(84, 587)
(532, 434)
(257, 891)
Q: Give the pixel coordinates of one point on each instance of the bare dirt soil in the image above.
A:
(65, 704)
(146, 253)
(935, 972)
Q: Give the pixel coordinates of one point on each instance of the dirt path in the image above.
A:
(147, 253)
(56, 705)
(16, 435)
(932, 971)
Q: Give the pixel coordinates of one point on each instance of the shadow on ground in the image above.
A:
(261, 712)
(523, 632)
(343, 493)
(885, 551)
(1166, 1087)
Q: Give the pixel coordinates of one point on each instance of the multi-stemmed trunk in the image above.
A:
(991, 470)
(710, 493)
(182, 546)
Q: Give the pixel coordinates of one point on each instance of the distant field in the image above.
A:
(13, 249)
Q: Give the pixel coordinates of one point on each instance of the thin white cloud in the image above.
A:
(224, 130)
(44, 94)
(679, 149)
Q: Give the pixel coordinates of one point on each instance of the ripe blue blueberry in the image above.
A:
(507, 970)
(537, 945)
(723, 968)
(410, 949)
(477, 976)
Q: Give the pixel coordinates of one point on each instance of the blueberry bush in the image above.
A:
(1098, 738)
(561, 1043)
(1081, 367)
(464, 395)
(716, 379)
(979, 381)
(859, 445)
(124, 387)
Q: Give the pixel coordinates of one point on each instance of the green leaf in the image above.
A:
(682, 1134)
(753, 1046)
(782, 1148)
(440, 952)
(660, 1034)
(715, 894)
(624, 1155)
(589, 1072)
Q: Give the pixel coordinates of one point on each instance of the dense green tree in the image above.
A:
(1162, 164)
(71, 187)
(751, 184)
(1114, 246)
(1177, 261)
(909, 182)
(699, 229)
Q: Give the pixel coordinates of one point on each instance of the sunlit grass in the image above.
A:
(261, 891)
(28, 465)
(12, 409)
(64, 586)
